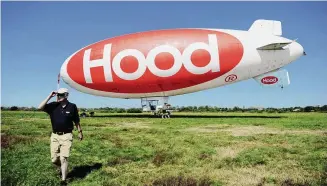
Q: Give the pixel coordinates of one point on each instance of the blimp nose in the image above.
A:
(296, 51)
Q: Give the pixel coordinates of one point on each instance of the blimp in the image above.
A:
(157, 64)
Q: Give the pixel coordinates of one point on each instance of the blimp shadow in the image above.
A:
(82, 171)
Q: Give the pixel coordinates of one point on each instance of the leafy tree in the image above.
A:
(13, 108)
(134, 110)
(308, 108)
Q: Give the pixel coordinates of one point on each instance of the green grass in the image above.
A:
(188, 149)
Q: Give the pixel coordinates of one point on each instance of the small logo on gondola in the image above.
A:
(231, 78)
(269, 80)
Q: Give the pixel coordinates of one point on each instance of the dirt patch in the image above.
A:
(159, 158)
(8, 140)
(253, 130)
(117, 141)
(290, 182)
(203, 156)
(165, 157)
(181, 181)
(119, 161)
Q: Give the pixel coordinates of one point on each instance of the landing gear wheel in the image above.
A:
(164, 116)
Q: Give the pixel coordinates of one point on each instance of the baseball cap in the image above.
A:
(62, 90)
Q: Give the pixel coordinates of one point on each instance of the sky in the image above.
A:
(37, 37)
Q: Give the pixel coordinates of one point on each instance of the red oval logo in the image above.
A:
(231, 78)
(155, 61)
(269, 80)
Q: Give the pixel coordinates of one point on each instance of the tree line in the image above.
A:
(191, 109)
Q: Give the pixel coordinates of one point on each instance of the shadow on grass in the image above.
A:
(181, 116)
(323, 180)
(82, 171)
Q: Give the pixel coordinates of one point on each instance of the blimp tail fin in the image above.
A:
(274, 46)
(267, 26)
(276, 78)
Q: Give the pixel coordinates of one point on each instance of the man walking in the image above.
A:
(62, 114)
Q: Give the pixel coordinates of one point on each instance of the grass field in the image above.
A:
(188, 149)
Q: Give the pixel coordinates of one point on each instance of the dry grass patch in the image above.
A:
(181, 181)
(252, 130)
(231, 152)
(260, 175)
(208, 128)
(34, 119)
(135, 124)
(119, 161)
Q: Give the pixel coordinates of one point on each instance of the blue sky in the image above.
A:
(38, 36)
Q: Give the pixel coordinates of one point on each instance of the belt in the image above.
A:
(61, 133)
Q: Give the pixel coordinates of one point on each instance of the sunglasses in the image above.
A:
(60, 95)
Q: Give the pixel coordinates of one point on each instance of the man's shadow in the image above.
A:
(81, 171)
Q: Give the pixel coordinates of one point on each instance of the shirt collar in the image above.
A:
(64, 105)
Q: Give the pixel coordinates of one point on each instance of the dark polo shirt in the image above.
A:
(62, 118)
